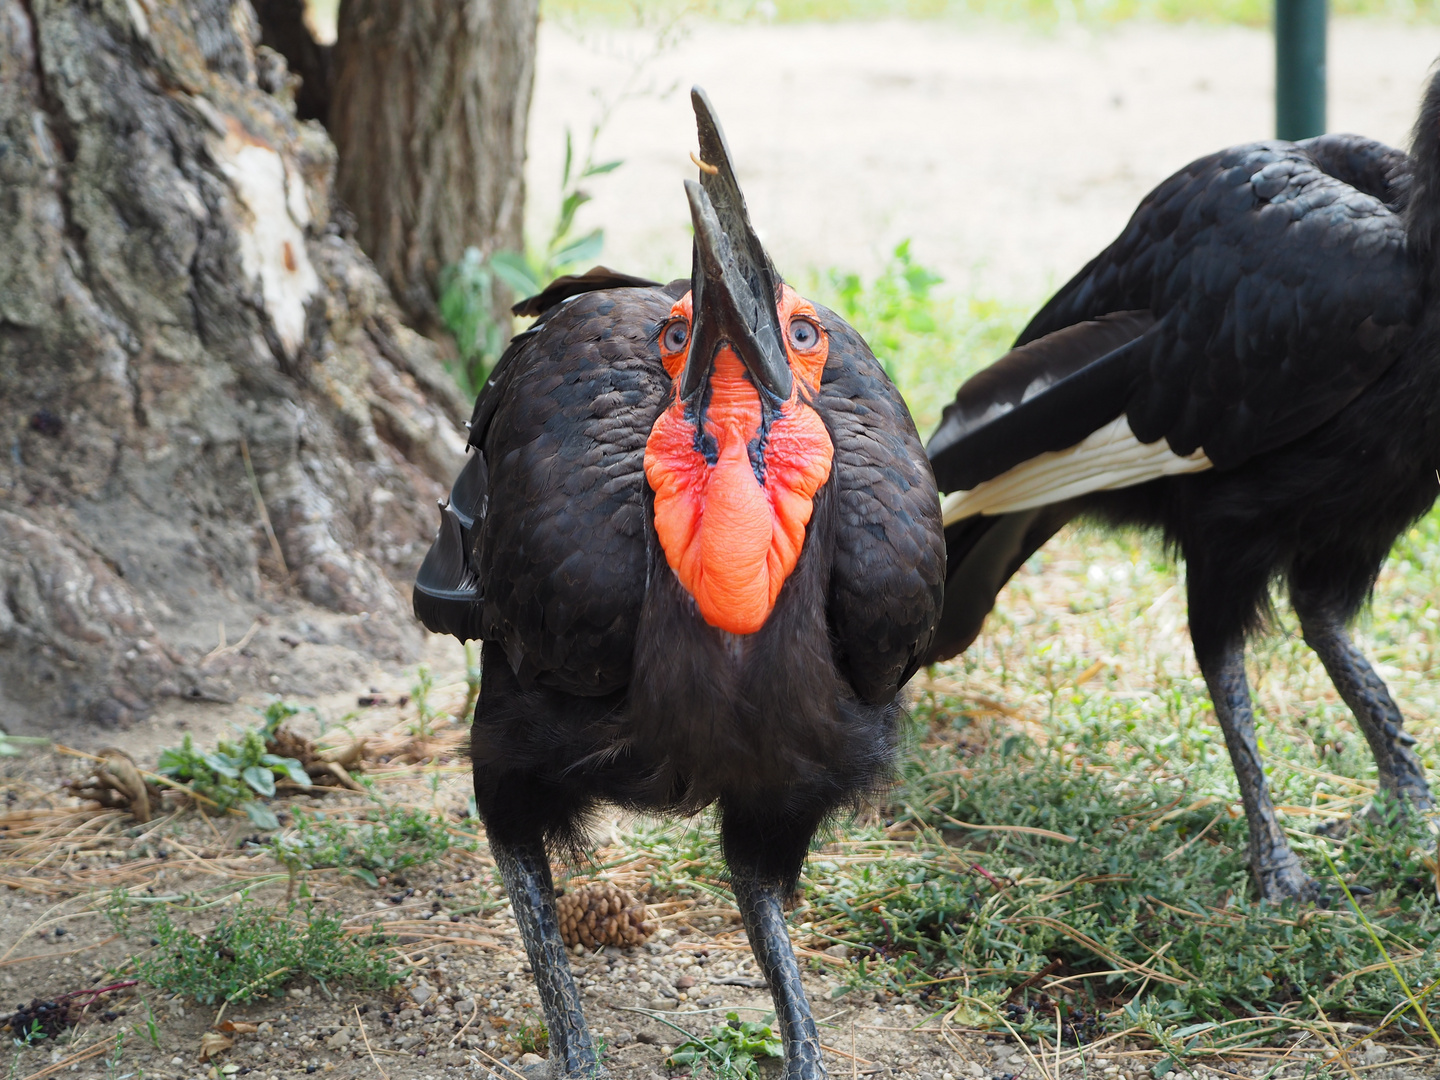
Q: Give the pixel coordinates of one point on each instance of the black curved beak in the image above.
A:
(734, 287)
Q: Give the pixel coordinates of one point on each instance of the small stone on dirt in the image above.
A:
(839, 951)
(340, 1039)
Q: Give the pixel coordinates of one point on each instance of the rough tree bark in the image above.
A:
(428, 108)
(210, 415)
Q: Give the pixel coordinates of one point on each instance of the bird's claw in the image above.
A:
(1282, 878)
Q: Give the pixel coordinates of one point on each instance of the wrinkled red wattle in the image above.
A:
(731, 541)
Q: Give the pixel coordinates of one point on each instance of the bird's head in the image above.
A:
(736, 459)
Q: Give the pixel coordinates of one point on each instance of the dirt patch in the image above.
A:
(464, 1002)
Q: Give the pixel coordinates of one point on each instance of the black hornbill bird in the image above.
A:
(1253, 368)
(701, 542)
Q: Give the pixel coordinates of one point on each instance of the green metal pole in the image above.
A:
(1299, 68)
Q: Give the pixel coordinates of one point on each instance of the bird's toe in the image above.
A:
(1285, 880)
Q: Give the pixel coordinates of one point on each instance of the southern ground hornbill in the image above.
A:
(1252, 367)
(701, 542)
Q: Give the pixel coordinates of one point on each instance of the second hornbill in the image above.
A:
(701, 542)
(1253, 367)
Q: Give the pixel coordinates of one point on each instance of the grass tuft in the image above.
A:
(254, 951)
(387, 841)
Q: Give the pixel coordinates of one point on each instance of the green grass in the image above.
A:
(253, 951)
(388, 840)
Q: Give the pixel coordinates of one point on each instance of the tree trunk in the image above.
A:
(213, 429)
(282, 28)
(428, 110)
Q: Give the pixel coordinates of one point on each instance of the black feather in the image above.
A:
(983, 553)
(596, 279)
(1044, 395)
(446, 597)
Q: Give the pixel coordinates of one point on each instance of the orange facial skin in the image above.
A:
(731, 538)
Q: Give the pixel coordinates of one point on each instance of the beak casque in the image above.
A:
(733, 283)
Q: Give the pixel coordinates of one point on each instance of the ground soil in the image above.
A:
(466, 998)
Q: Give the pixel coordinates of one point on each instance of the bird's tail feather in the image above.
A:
(982, 553)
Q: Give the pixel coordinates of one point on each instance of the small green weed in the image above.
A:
(115, 1060)
(254, 951)
(731, 1050)
(233, 774)
(14, 745)
(426, 714)
(30, 1036)
(467, 289)
(927, 341)
(532, 1036)
(150, 1032)
(393, 840)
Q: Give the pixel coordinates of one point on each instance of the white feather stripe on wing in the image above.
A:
(1108, 458)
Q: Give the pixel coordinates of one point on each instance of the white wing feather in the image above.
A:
(1111, 457)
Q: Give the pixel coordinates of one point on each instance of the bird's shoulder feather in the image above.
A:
(561, 554)
(888, 572)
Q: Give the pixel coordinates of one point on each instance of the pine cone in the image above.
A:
(602, 914)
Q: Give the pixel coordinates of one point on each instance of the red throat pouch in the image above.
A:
(731, 538)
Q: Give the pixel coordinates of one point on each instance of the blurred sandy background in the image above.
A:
(1010, 155)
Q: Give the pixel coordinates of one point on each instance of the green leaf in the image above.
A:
(579, 251)
(365, 876)
(261, 779)
(289, 766)
(223, 764)
(515, 271)
(261, 815)
(569, 157)
(603, 168)
(572, 203)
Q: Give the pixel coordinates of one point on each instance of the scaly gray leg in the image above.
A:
(763, 914)
(1276, 868)
(525, 869)
(1401, 772)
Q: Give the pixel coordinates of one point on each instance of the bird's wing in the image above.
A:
(1276, 292)
(555, 551)
(1366, 165)
(886, 584)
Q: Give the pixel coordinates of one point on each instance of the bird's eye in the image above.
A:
(804, 334)
(674, 336)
